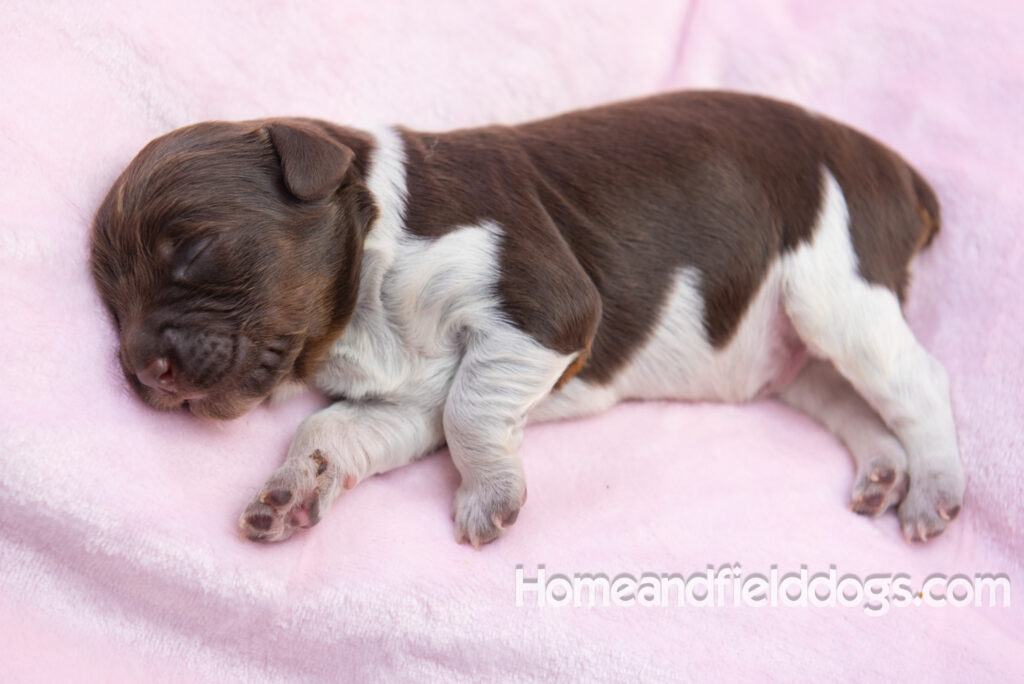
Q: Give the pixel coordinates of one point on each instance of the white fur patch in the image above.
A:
(861, 329)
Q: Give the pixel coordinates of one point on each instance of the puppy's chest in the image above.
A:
(405, 339)
(379, 358)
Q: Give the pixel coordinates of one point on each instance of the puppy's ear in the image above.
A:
(313, 164)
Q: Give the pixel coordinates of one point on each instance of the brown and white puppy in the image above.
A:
(447, 288)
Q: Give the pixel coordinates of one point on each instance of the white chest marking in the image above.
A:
(404, 341)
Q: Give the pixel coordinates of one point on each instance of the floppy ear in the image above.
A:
(313, 164)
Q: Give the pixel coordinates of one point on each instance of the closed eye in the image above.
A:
(189, 256)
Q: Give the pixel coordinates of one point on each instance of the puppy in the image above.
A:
(450, 287)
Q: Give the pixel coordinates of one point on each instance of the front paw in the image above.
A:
(295, 496)
(934, 500)
(484, 509)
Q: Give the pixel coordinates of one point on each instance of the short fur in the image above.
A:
(444, 287)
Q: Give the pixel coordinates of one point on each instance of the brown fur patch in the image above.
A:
(321, 461)
(601, 207)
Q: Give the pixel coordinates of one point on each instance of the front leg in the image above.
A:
(332, 451)
(502, 375)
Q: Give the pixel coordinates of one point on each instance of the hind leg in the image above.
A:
(860, 328)
(881, 463)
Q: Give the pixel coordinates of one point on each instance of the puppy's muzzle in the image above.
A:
(199, 355)
(182, 361)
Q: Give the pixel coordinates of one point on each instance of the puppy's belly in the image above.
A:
(679, 362)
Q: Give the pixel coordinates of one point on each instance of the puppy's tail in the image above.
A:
(927, 207)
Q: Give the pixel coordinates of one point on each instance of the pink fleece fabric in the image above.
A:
(119, 559)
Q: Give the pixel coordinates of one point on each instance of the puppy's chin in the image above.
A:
(213, 407)
(158, 400)
(222, 408)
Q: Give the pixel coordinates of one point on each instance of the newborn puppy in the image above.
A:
(450, 287)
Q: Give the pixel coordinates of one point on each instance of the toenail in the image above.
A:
(949, 514)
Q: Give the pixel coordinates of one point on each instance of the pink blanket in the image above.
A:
(119, 558)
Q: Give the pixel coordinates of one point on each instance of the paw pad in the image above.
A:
(260, 521)
(881, 482)
(293, 498)
(278, 498)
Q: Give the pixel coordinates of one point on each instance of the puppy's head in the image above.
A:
(228, 255)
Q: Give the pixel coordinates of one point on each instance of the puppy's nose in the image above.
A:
(159, 375)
